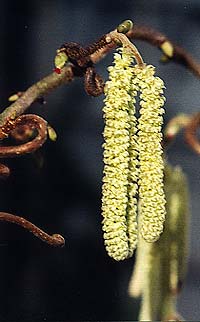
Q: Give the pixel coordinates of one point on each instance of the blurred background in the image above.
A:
(80, 281)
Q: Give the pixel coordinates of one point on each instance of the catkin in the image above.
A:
(120, 151)
(132, 156)
(151, 192)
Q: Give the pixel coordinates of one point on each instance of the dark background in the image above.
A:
(80, 282)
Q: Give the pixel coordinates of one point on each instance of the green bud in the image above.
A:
(167, 49)
(13, 98)
(52, 133)
(60, 59)
(125, 26)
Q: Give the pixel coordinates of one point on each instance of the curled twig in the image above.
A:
(22, 133)
(93, 83)
(26, 123)
(54, 240)
(83, 65)
(34, 122)
(191, 133)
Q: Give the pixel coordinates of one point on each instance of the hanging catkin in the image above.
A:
(151, 188)
(132, 156)
(120, 159)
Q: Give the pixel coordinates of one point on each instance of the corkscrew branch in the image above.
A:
(52, 81)
(54, 240)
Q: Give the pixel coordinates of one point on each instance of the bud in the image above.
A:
(51, 133)
(15, 96)
(60, 59)
(125, 26)
(167, 49)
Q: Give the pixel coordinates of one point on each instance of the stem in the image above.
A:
(157, 39)
(41, 88)
(54, 80)
(33, 121)
(54, 240)
(119, 37)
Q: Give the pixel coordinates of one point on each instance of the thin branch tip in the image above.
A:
(54, 240)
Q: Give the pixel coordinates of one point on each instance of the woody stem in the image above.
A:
(54, 240)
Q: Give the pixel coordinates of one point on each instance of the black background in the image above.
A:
(79, 281)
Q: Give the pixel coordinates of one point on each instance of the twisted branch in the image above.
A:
(41, 88)
(81, 65)
(54, 240)
(34, 122)
(157, 39)
(99, 50)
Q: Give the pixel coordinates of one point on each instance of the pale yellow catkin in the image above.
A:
(151, 191)
(120, 152)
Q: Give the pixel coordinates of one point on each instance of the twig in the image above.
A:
(157, 39)
(34, 122)
(54, 80)
(54, 240)
(41, 88)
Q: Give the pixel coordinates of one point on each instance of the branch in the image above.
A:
(34, 122)
(157, 39)
(102, 47)
(54, 240)
(37, 90)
